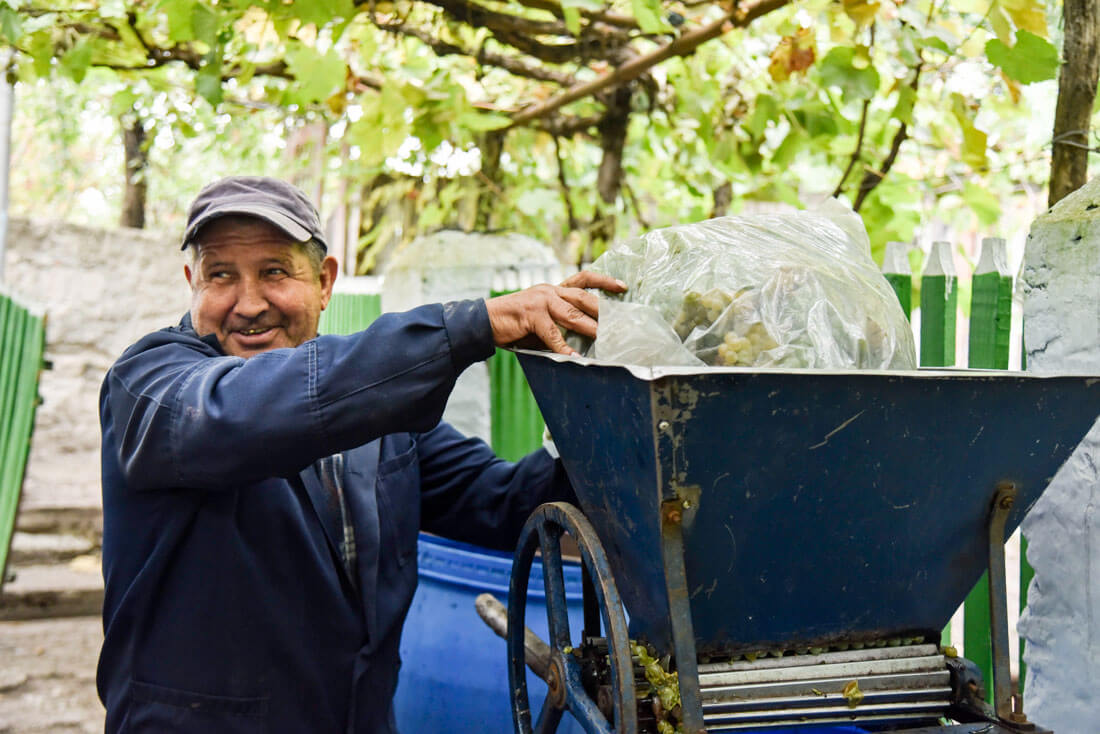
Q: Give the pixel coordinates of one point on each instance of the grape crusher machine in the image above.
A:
(790, 543)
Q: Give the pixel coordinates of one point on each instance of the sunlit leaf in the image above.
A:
(975, 141)
(1032, 59)
(123, 101)
(649, 15)
(985, 205)
(903, 110)
(317, 76)
(322, 12)
(1027, 15)
(861, 11)
(42, 50)
(177, 14)
(838, 70)
(483, 121)
(764, 112)
(76, 60)
(11, 26)
(204, 24)
(572, 18)
(208, 82)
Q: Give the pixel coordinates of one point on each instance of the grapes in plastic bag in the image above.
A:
(786, 290)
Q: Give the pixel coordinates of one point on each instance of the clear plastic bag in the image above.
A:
(768, 290)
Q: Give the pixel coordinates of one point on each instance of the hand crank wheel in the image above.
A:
(543, 532)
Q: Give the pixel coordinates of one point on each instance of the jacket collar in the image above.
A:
(211, 340)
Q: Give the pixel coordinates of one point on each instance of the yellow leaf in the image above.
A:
(861, 11)
(1002, 25)
(1028, 15)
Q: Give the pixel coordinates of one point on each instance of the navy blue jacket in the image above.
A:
(227, 608)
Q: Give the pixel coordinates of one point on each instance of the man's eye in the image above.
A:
(218, 275)
(275, 273)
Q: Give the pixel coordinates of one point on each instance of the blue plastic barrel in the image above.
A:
(454, 672)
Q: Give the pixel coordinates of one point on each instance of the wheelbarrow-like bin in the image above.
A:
(788, 543)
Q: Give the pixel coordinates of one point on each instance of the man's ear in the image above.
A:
(329, 270)
(187, 274)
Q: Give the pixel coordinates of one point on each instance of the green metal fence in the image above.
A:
(22, 340)
(988, 348)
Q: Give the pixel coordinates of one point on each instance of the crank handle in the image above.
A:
(495, 614)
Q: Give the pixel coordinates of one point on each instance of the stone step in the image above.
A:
(71, 589)
(84, 522)
(29, 549)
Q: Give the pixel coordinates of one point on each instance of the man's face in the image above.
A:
(254, 288)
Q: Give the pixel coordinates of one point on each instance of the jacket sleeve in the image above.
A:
(180, 417)
(469, 494)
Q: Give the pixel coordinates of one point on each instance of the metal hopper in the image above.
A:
(785, 511)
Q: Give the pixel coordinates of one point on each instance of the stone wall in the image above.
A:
(102, 289)
(1061, 289)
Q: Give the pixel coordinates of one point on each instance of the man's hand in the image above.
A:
(538, 311)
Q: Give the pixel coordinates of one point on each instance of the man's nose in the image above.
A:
(251, 300)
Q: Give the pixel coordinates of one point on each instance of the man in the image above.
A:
(263, 487)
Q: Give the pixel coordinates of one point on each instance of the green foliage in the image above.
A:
(812, 98)
(1032, 59)
(839, 69)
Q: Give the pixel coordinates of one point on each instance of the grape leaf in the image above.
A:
(11, 28)
(317, 76)
(208, 82)
(985, 205)
(320, 12)
(1032, 59)
(838, 70)
(648, 15)
(76, 60)
(204, 24)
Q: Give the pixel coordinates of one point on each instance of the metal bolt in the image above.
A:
(1007, 502)
(673, 515)
(687, 504)
(663, 425)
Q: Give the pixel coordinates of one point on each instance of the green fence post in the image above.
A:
(938, 302)
(991, 307)
(990, 319)
(899, 274)
(348, 313)
(22, 340)
(515, 423)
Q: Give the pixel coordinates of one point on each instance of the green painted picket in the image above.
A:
(22, 341)
(348, 313)
(988, 348)
(515, 421)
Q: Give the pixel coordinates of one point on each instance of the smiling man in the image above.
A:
(263, 487)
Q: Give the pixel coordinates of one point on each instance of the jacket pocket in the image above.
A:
(398, 493)
(156, 708)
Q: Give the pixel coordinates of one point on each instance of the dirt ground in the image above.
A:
(47, 676)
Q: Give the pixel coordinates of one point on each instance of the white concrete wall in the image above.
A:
(102, 289)
(1061, 290)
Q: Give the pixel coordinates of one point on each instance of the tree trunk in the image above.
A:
(492, 145)
(613, 129)
(1076, 93)
(135, 168)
